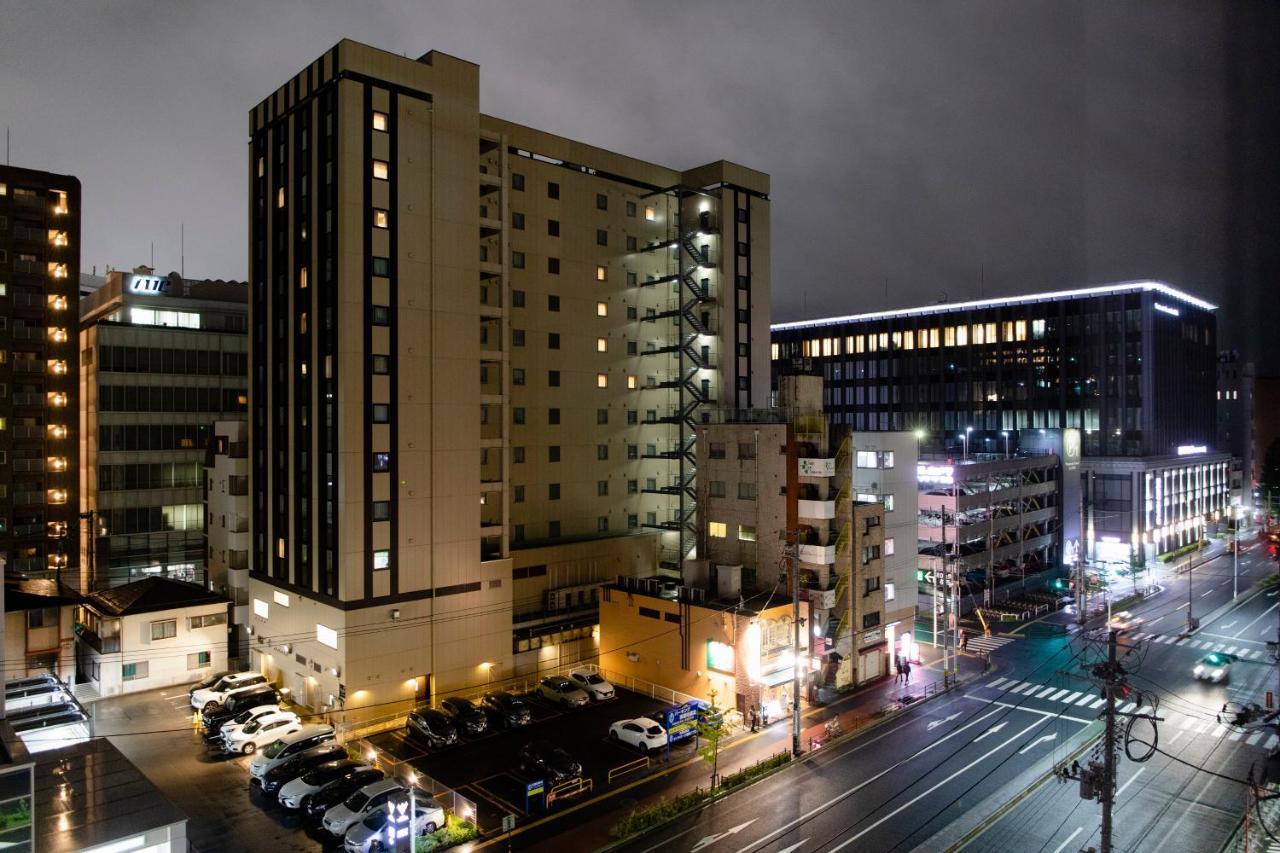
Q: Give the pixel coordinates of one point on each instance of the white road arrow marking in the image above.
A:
(1036, 742)
(1229, 624)
(707, 841)
(794, 847)
(997, 727)
(941, 722)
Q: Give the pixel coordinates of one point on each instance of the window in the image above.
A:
(199, 660)
(209, 620)
(715, 450)
(43, 617)
(633, 487)
(746, 491)
(602, 488)
(871, 620)
(633, 417)
(717, 530)
(888, 547)
(889, 592)
(553, 453)
(553, 302)
(650, 214)
(553, 378)
(631, 382)
(553, 227)
(517, 182)
(517, 298)
(886, 459)
(517, 376)
(380, 364)
(379, 316)
(517, 455)
(382, 510)
(381, 559)
(602, 344)
(553, 266)
(888, 503)
(382, 266)
(165, 629)
(602, 273)
(742, 248)
(517, 260)
(380, 413)
(869, 553)
(381, 461)
(553, 189)
(381, 219)
(631, 208)
(602, 524)
(867, 459)
(602, 416)
(379, 120)
(715, 488)
(631, 243)
(517, 415)
(280, 197)
(746, 450)
(602, 237)
(602, 309)
(870, 585)
(381, 170)
(602, 380)
(517, 221)
(553, 416)
(553, 491)
(633, 521)
(633, 451)
(135, 671)
(517, 494)
(746, 533)
(602, 201)
(602, 452)
(326, 636)
(517, 337)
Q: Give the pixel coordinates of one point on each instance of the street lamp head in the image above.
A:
(1005, 433)
(968, 430)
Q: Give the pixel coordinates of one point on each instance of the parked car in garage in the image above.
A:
(642, 733)
(431, 727)
(296, 793)
(507, 711)
(593, 684)
(542, 759)
(386, 827)
(337, 791)
(466, 717)
(562, 691)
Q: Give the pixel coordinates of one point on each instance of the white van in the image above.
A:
(208, 698)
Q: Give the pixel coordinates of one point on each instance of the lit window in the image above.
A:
(773, 352)
(381, 559)
(602, 309)
(261, 166)
(280, 547)
(602, 344)
(631, 383)
(380, 219)
(888, 547)
(381, 170)
(650, 214)
(602, 380)
(57, 334)
(58, 368)
(57, 496)
(56, 303)
(58, 238)
(57, 431)
(60, 202)
(326, 635)
(58, 270)
(746, 533)
(602, 273)
(260, 608)
(57, 464)
(379, 120)
(715, 529)
(57, 398)
(4, 189)
(280, 197)
(890, 591)
(302, 278)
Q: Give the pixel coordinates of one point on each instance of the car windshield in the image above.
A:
(356, 801)
(654, 730)
(275, 749)
(377, 820)
(593, 679)
(243, 717)
(250, 728)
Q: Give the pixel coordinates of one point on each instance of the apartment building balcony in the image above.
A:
(490, 269)
(820, 509)
(822, 555)
(103, 645)
(816, 467)
(238, 486)
(489, 177)
(237, 560)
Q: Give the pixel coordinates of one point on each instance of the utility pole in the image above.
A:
(1107, 794)
(793, 575)
(1191, 620)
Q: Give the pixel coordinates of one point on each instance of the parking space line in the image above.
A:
(494, 799)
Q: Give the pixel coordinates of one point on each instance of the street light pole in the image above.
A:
(1005, 434)
(1190, 618)
(965, 437)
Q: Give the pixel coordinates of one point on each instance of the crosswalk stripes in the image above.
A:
(1242, 652)
(987, 644)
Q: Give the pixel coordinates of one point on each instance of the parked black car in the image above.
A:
(507, 711)
(466, 717)
(277, 777)
(335, 792)
(431, 727)
(543, 759)
(237, 705)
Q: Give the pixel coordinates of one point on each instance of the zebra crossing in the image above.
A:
(1089, 700)
(1241, 651)
(987, 644)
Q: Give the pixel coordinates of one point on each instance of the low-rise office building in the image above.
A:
(162, 358)
(226, 519)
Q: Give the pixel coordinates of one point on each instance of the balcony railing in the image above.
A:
(103, 645)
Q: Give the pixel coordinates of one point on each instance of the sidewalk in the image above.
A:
(855, 711)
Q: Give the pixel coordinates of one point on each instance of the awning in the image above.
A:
(781, 676)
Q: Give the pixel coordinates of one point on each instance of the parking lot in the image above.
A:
(486, 769)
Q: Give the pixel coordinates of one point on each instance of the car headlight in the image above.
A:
(1199, 670)
(1217, 673)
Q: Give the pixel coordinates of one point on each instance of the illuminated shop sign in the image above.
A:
(935, 473)
(719, 656)
(1167, 309)
(152, 284)
(1192, 449)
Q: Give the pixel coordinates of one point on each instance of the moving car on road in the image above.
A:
(593, 684)
(1215, 667)
(1124, 621)
(506, 711)
(562, 691)
(354, 808)
(642, 733)
(386, 827)
(467, 718)
(544, 760)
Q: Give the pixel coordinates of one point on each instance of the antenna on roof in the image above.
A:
(182, 250)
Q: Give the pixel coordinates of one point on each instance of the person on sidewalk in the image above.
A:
(906, 673)
(755, 718)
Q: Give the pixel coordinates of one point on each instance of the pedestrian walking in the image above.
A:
(906, 673)
(755, 718)
(897, 671)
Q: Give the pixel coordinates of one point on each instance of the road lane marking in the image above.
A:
(1054, 714)
(996, 683)
(1272, 740)
(1182, 605)
(1254, 738)
(1067, 700)
(1037, 742)
(1098, 703)
(997, 727)
(909, 803)
(794, 847)
(1057, 696)
(1129, 782)
(1127, 708)
(1045, 692)
(708, 840)
(1236, 735)
(1088, 697)
(933, 725)
(1063, 845)
(1206, 592)
(1255, 620)
(1229, 624)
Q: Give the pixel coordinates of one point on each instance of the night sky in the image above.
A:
(918, 150)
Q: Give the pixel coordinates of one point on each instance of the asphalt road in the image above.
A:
(895, 786)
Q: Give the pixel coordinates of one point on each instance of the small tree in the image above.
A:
(710, 730)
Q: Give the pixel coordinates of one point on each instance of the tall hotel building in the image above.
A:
(39, 276)
(1128, 370)
(478, 353)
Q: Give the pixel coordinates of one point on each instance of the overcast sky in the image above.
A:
(916, 148)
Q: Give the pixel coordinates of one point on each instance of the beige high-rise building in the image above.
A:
(478, 354)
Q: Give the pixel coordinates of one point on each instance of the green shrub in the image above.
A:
(646, 817)
(755, 771)
(454, 831)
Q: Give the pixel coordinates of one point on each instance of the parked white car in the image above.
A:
(247, 739)
(296, 794)
(250, 715)
(642, 733)
(359, 805)
(215, 694)
(592, 683)
(385, 828)
(287, 746)
(563, 692)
